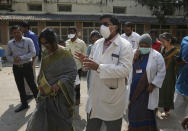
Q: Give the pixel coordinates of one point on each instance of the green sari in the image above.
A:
(166, 92)
(54, 110)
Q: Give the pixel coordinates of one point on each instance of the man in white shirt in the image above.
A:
(74, 44)
(130, 35)
(110, 63)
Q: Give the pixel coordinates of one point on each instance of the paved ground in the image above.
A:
(9, 100)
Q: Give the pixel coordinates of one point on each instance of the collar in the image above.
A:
(116, 39)
(112, 40)
(22, 39)
(69, 40)
(130, 35)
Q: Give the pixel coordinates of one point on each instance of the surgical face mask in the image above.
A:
(70, 36)
(105, 31)
(144, 51)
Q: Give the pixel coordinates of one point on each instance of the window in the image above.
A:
(140, 28)
(119, 10)
(181, 31)
(5, 4)
(160, 28)
(61, 28)
(65, 8)
(52, 24)
(87, 28)
(35, 7)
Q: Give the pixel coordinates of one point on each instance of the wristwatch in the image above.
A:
(98, 69)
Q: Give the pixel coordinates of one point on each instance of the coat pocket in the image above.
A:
(109, 95)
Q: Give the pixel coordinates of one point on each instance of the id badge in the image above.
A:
(138, 71)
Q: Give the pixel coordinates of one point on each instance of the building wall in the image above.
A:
(84, 7)
(81, 6)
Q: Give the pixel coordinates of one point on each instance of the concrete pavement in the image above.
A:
(9, 100)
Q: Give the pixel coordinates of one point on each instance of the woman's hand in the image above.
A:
(55, 87)
(80, 56)
(136, 55)
(151, 88)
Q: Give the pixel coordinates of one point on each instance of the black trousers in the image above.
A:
(95, 124)
(24, 71)
(77, 88)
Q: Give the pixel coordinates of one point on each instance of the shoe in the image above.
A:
(165, 114)
(77, 102)
(29, 97)
(22, 107)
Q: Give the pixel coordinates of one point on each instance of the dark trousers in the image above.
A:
(21, 72)
(77, 88)
(95, 124)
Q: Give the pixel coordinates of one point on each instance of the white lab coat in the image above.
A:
(156, 71)
(108, 87)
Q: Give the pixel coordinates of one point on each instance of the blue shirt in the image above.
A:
(182, 81)
(24, 49)
(32, 36)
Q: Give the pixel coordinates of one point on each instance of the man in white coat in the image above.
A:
(110, 63)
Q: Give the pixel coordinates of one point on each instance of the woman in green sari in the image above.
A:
(55, 102)
(166, 93)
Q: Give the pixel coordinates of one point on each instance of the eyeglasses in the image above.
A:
(106, 24)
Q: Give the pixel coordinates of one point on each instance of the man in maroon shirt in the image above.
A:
(156, 44)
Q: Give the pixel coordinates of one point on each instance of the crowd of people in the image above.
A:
(125, 73)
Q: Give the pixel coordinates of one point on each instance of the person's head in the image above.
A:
(128, 28)
(166, 39)
(24, 26)
(16, 32)
(62, 43)
(110, 26)
(153, 35)
(72, 33)
(48, 39)
(94, 36)
(145, 43)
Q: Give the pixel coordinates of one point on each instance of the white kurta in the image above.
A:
(156, 71)
(108, 88)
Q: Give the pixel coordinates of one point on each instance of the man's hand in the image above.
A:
(89, 64)
(151, 88)
(55, 87)
(185, 123)
(17, 59)
(80, 56)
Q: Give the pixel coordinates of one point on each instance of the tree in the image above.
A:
(163, 8)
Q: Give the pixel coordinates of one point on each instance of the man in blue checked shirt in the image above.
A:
(25, 28)
(20, 51)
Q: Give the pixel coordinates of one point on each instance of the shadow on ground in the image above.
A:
(78, 122)
(12, 121)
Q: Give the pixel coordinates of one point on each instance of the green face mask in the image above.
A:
(144, 51)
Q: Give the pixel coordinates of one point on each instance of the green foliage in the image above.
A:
(163, 8)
